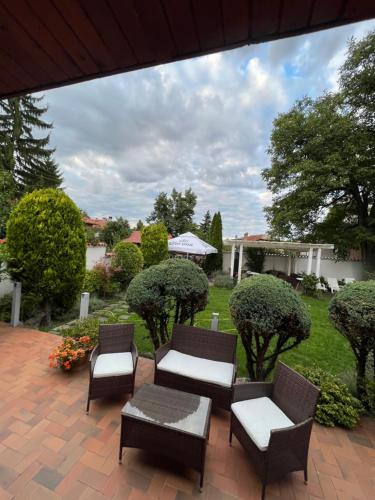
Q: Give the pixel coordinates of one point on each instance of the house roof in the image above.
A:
(89, 221)
(135, 237)
(46, 44)
(255, 237)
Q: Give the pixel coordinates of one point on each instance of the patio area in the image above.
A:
(50, 448)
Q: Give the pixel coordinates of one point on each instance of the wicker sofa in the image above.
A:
(198, 361)
(113, 362)
(273, 422)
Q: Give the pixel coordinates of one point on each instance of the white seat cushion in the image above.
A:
(216, 372)
(113, 364)
(258, 417)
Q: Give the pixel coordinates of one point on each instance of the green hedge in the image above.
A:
(336, 405)
(126, 263)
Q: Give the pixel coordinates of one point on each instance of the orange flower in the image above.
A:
(64, 354)
(67, 365)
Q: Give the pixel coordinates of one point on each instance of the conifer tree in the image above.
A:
(214, 262)
(205, 225)
(25, 155)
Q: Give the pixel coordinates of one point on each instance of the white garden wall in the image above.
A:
(328, 267)
(6, 286)
(94, 255)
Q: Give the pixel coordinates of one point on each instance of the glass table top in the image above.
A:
(170, 408)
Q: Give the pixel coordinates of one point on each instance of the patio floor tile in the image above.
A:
(50, 449)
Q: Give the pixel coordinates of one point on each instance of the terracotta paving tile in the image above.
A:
(4, 495)
(14, 441)
(42, 493)
(19, 427)
(93, 478)
(50, 449)
(168, 492)
(54, 443)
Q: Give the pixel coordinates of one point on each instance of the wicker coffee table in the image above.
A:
(173, 423)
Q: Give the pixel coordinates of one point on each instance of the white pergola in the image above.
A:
(290, 246)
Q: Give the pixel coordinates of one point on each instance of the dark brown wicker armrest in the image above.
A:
(93, 356)
(289, 438)
(251, 390)
(234, 373)
(134, 353)
(162, 351)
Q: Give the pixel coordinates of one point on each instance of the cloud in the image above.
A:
(203, 123)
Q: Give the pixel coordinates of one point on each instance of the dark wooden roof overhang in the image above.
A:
(49, 43)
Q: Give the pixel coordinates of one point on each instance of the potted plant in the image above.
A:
(71, 353)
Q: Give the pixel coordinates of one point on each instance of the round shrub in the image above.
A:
(270, 318)
(47, 248)
(336, 405)
(126, 263)
(352, 311)
(175, 287)
(187, 283)
(154, 244)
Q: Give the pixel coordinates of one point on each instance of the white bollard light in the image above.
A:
(84, 306)
(16, 304)
(215, 322)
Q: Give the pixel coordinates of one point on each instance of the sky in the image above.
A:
(203, 123)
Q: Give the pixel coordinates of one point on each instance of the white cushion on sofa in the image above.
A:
(113, 364)
(216, 372)
(258, 417)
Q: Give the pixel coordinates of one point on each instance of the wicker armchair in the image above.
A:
(113, 362)
(198, 361)
(273, 422)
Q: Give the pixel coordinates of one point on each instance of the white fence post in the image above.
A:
(16, 304)
(84, 306)
(215, 322)
(240, 264)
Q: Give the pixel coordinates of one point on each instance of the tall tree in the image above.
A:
(322, 174)
(7, 198)
(115, 231)
(175, 211)
(214, 261)
(205, 225)
(139, 225)
(22, 153)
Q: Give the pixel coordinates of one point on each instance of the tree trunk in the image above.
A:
(177, 312)
(368, 255)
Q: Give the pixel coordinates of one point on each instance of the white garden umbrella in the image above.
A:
(190, 244)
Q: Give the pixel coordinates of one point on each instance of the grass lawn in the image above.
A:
(325, 347)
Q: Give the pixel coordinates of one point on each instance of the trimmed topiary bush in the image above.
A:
(126, 263)
(47, 248)
(176, 288)
(188, 285)
(154, 244)
(270, 318)
(352, 311)
(336, 405)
